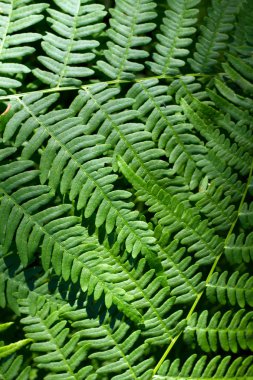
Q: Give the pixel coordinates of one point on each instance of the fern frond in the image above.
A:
(125, 198)
(205, 368)
(129, 25)
(183, 148)
(55, 350)
(236, 289)
(240, 74)
(70, 47)
(239, 248)
(239, 131)
(64, 243)
(125, 135)
(117, 349)
(183, 276)
(9, 349)
(217, 143)
(246, 215)
(230, 331)
(214, 35)
(243, 34)
(177, 30)
(152, 300)
(183, 222)
(215, 205)
(13, 368)
(79, 163)
(169, 129)
(133, 143)
(15, 18)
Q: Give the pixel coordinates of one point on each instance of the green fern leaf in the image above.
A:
(30, 227)
(171, 131)
(55, 352)
(82, 171)
(239, 248)
(234, 290)
(215, 32)
(126, 198)
(231, 330)
(12, 368)
(205, 368)
(113, 348)
(234, 155)
(184, 222)
(129, 24)
(70, 46)
(176, 31)
(16, 17)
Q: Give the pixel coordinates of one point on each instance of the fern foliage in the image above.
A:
(176, 29)
(69, 47)
(15, 41)
(202, 368)
(130, 22)
(126, 187)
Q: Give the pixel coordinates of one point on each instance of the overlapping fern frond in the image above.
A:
(69, 46)
(126, 189)
(16, 17)
(129, 24)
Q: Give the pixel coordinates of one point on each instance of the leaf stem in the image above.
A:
(110, 82)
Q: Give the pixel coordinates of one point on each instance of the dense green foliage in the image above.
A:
(126, 189)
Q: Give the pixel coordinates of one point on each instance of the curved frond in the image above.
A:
(69, 47)
(234, 289)
(175, 37)
(15, 18)
(184, 149)
(230, 331)
(129, 24)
